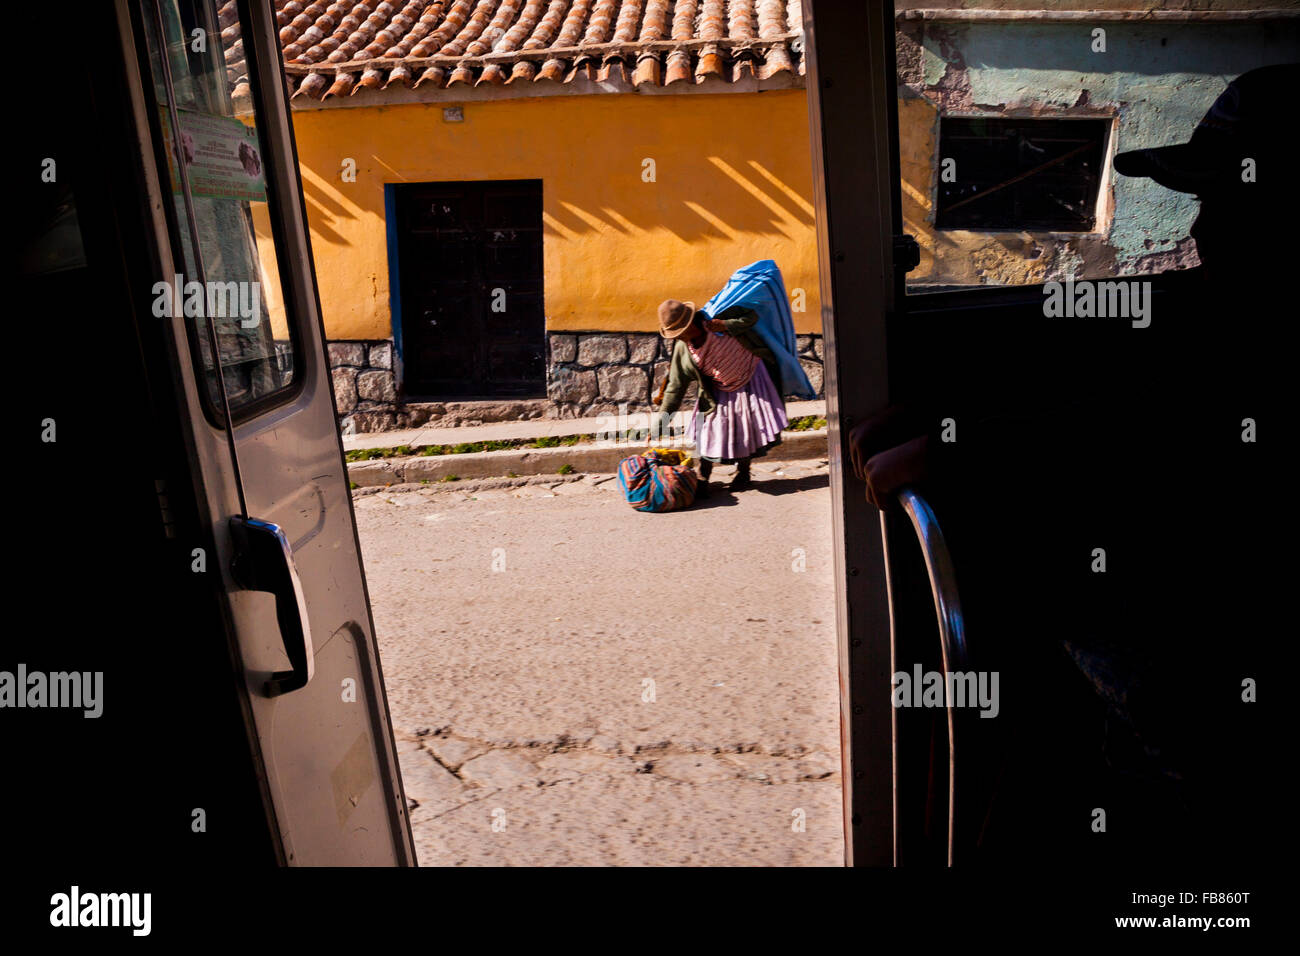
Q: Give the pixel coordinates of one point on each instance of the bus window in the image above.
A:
(1008, 125)
(220, 194)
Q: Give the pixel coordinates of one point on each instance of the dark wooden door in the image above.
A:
(470, 261)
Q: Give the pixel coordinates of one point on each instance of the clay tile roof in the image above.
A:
(342, 48)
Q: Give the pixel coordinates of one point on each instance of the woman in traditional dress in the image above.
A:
(739, 412)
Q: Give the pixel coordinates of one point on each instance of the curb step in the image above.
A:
(473, 485)
(597, 457)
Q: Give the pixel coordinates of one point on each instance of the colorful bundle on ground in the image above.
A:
(660, 480)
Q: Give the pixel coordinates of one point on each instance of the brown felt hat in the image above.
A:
(675, 317)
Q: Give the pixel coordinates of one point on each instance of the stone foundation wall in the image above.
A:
(365, 388)
(588, 374)
(593, 373)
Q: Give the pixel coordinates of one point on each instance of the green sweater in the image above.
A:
(682, 369)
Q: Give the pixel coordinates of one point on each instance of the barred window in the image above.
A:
(1001, 173)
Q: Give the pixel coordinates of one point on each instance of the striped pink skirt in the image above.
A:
(745, 424)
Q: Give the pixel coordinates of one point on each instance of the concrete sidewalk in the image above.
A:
(502, 431)
(588, 457)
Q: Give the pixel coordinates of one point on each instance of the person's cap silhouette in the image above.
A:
(1243, 124)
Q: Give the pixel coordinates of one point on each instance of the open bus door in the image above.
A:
(179, 197)
(276, 486)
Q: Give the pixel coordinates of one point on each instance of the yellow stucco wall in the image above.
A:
(733, 183)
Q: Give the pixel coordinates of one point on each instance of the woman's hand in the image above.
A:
(715, 325)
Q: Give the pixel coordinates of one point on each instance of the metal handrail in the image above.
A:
(952, 633)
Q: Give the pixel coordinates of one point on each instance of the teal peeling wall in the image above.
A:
(1161, 77)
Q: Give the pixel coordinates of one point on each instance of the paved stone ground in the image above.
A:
(517, 693)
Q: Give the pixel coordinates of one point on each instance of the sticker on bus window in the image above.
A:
(221, 154)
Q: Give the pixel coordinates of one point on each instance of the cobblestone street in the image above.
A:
(520, 629)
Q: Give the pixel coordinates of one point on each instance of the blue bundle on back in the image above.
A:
(759, 286)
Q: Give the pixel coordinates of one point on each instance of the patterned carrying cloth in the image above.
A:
(660, 480)
(724, 360)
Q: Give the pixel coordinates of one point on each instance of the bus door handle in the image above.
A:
(952, 629)
(264, 562)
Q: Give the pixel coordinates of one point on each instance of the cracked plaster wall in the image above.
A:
(1155, 79)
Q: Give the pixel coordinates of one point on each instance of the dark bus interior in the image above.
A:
(105, 567)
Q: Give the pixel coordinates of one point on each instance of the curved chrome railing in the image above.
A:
(952, 632)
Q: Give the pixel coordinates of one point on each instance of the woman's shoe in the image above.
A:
(741, 481)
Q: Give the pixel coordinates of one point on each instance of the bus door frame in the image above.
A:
(851, 84)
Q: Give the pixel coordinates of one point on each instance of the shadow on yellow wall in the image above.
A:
(643, 197)
(699, 197)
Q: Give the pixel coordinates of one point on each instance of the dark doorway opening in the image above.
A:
(469, 262)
